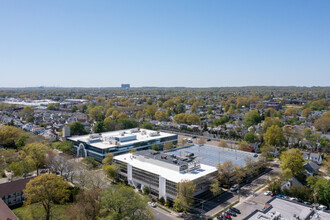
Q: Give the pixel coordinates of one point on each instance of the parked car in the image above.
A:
(235, 210)
(208, 139)
(152, 204)
(307, 203)
(267, 193)
(280, 196)
(234, 188)
(224, 215)
(248, 180)
(322, 207)
(194, 137)
(43, 171)
(230, 212)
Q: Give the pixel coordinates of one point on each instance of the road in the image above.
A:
(250, 199)
(163, 215)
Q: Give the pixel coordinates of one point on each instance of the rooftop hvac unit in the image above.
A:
(154, 133)
(134, 130)
(92, 136)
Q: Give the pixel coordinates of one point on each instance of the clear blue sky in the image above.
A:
(168, 43)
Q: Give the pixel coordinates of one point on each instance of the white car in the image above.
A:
(322, 207)
(267, 193)
(152, 204)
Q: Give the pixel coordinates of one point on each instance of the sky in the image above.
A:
(168, 43)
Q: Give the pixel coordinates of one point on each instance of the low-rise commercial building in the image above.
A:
(161, 172)
(119, 142)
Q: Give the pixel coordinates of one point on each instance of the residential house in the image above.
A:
(311, 168)
(315, 157)
(291, 182)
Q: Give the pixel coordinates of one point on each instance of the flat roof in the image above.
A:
(141, 136)
(287, 210)
(212, 155)
(167, 173)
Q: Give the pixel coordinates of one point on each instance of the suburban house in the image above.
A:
(291, 182)
(311, 168)
(12, 192)
(315, 157)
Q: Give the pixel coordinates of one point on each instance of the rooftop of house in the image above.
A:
(14, 186)
(120, 138)
(5, 212)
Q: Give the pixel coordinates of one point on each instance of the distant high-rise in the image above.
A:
(125, 86)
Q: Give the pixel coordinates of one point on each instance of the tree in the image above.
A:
(252, 118)
(221, 121)
(147, 125)
(108, 159)
(27, 111)
(184, 199)
(22, 167)
(65, 146)
(37, 153)
(48, 189)
(161, 116)
(323, 124)
(223, 143)
(180, 118)
(168, 145)
(99, 127)
(193, 119)
(267, 151)
(110, 171)
(21, 141)
(121, 202)
(150, 111)
(306, 112)
(9, 135)
(215, 188)
(244, 146)
(274, 135)
(87, 206)
(77, 128)
(226, 171)
(96, 114)
(274, 185)
(250, 137)
(155, 147)
(51, 107)
(290, 112)
(268, 122)
(292, 162)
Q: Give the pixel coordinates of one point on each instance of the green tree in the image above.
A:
(37, 153)
(65, 146)
(108, 159)
(99, 127)
(155, 147)
(290, 112)
(27, 111)
(96, 114)
(121, 202)
(274, 135)
(147, 125)
(161, 116)
(215, 187)
(306, 112)
(250, 137)
(110, 171)
(77, 128)
(180, 118)
(21, 141)
(323, 124)
(150, 111)
(9, 135)
(267, 151)
(226, 171)
(193, 119)
(292, 162)
(252, 118)
(51, 107)
(184, 199)
(48, 189)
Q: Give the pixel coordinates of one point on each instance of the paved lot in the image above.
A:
(162, 215)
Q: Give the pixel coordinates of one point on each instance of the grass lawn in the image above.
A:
(36, 211)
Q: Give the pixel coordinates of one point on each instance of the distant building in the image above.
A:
(267, 104)
(125, 86)
(119, 142)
